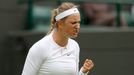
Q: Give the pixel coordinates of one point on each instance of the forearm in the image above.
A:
(81, 73)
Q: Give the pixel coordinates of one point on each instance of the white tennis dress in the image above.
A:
(46, 57)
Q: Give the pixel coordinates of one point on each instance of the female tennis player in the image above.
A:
(57, 53)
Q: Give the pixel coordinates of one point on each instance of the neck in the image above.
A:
(59, 38)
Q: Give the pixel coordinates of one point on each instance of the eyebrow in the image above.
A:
(78, 21)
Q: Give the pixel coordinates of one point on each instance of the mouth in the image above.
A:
(76, 31)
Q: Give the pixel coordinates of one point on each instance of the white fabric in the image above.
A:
(66, 13)
(47, 58)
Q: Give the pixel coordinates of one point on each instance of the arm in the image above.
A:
(87, 66)
(77, 63)
(33, 61)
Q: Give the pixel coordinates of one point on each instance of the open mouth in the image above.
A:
(76, 31)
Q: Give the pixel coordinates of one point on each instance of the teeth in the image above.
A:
(76, 31)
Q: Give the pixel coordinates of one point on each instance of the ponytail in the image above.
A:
(53, 21)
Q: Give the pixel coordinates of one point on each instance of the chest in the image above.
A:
(60, 61)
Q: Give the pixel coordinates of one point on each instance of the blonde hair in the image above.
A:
(64, 6)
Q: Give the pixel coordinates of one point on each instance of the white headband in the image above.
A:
(66, 13)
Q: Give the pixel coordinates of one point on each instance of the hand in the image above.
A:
(87, 66)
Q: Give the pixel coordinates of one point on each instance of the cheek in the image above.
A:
(67, 25)
(69, 28)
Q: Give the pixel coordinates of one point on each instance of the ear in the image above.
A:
(60, 24)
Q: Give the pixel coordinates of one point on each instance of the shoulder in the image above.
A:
(73, 42)
(74, 45)
(42, 43)
(41, 46)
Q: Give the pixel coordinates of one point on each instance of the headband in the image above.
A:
(66, 13)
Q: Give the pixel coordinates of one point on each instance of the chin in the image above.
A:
(73, 36)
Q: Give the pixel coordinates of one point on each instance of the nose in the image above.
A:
(77, 26)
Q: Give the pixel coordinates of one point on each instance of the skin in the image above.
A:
(69, 28)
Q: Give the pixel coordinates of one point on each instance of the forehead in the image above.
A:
(74, 17)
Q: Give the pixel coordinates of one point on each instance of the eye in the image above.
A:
(74, 22)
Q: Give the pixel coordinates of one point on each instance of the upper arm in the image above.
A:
(77, 57)
(33, 61)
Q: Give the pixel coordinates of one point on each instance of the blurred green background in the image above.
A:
(106, 36)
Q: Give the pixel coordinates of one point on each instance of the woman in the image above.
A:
(57, 53)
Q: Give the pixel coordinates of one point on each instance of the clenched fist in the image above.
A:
(87, 66)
